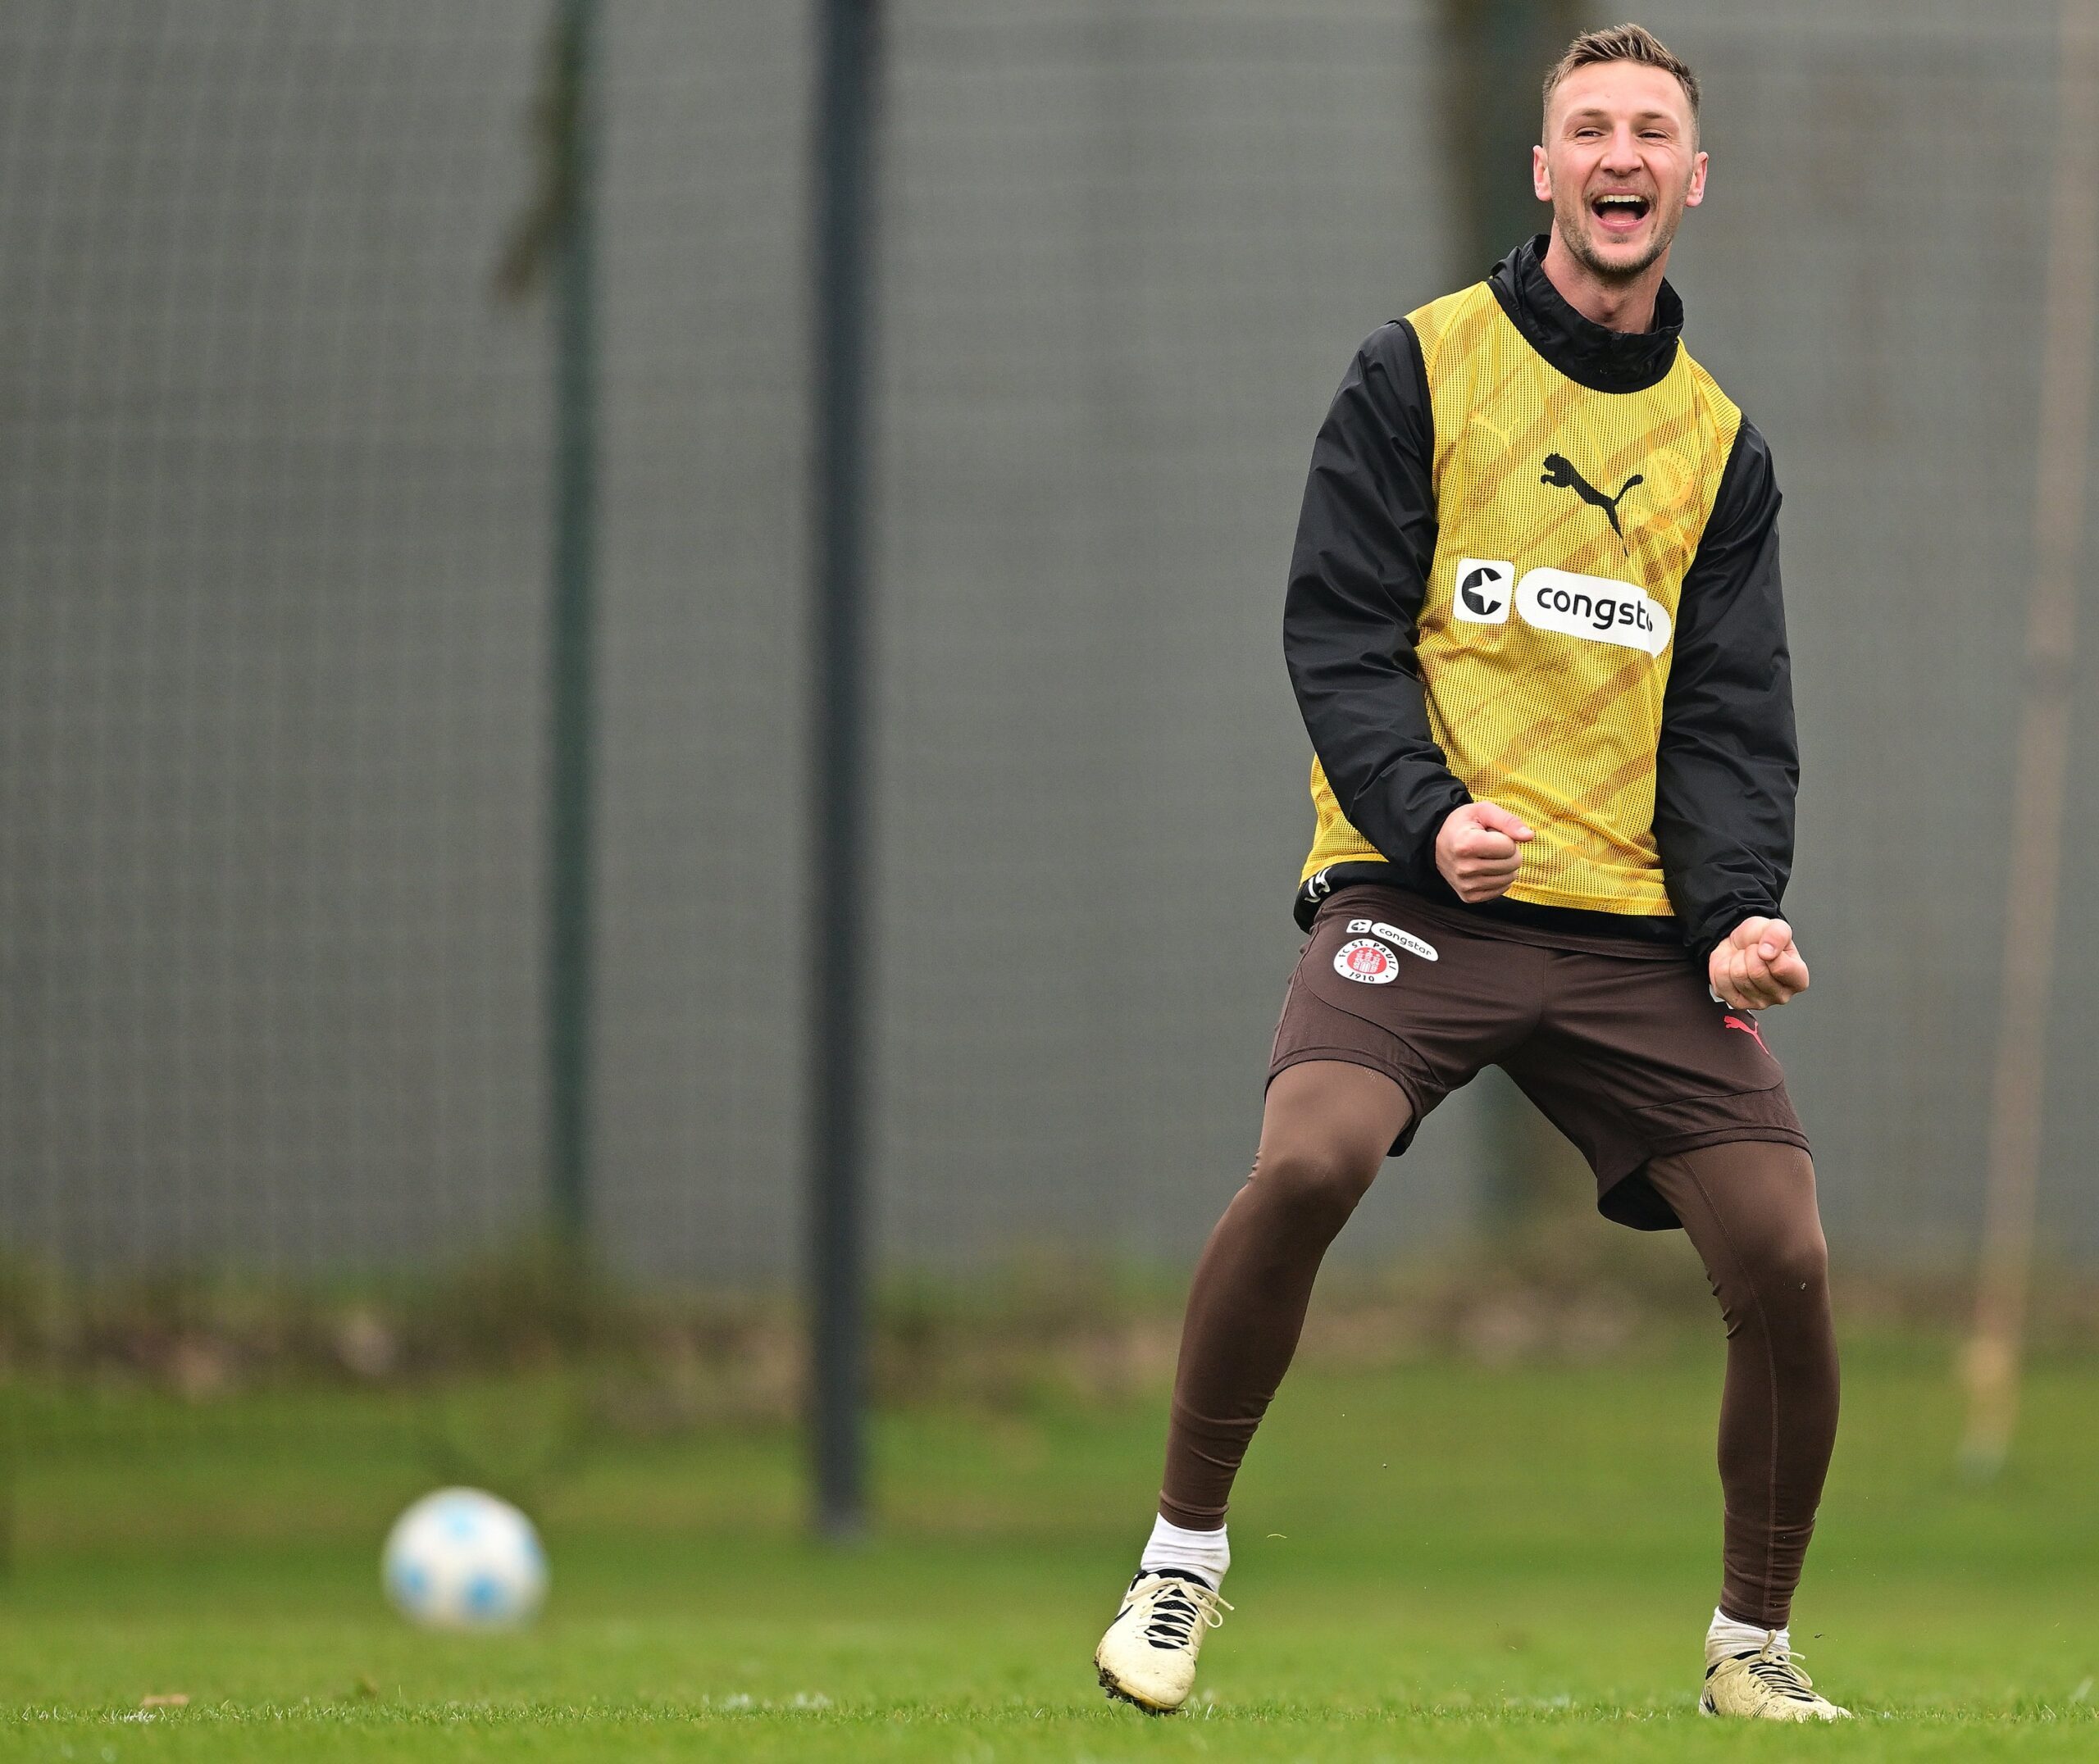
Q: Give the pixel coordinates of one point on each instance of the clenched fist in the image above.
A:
(1758, 965)
(1479, 850)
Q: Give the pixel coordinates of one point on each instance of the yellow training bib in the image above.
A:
(1566, 520)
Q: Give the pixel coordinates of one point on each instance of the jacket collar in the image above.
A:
(1604, 360)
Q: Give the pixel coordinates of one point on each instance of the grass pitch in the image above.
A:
(1435, 1562)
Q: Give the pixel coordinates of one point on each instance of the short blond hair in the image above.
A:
(1624, 43)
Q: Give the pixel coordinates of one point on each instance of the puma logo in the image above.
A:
(1560, 474)
(1748, 1029)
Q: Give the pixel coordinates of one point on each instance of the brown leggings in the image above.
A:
(1748, 1208)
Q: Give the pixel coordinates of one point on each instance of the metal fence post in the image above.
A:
(836, 1106)
(571, 637)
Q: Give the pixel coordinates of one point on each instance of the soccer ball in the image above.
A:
(460, 1559)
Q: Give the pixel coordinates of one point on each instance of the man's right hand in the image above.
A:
(1479, 849)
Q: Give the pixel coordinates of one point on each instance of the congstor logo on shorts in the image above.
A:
(1391, 934)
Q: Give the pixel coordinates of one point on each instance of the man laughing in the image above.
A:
(1535, 629)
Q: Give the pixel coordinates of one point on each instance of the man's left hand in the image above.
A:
(1758, 966)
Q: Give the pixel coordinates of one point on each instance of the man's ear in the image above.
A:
(1541, 174)
(1697, 194)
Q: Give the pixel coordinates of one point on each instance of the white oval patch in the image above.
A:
(1593, 606)
(1366, 961)
(1406, 939)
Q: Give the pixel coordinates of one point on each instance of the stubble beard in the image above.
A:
(1574, 234)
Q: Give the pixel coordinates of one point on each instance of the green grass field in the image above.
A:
(1435, 1561)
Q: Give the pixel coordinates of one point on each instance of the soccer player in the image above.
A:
(1534, 626)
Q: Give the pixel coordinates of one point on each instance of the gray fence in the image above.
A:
(272, 788)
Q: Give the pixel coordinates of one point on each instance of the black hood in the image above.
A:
(1604, 360)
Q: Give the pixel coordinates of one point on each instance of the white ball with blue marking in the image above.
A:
(461, 1559)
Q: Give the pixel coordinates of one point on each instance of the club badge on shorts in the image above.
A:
(1366, 961)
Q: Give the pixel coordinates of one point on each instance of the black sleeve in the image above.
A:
(1357, 574)
(1728, 767)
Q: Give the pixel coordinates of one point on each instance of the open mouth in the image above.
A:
(1620, 210)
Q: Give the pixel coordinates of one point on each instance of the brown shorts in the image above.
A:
(1619, 1043)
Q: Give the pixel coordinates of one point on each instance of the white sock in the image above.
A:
(1728, 1636)
(1204, 1554)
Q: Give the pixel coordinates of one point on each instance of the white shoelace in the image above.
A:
(1782, 1674)
(1177, 1605)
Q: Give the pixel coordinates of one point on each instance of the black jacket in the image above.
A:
(1726, 764)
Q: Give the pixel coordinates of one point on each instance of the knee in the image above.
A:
(1780, 1287)
(1314, 1187)
(1796, 1264)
